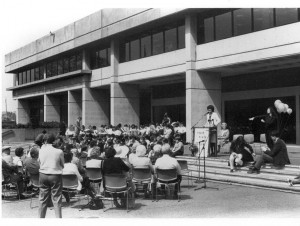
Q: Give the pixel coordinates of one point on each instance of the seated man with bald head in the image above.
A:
(168, 162)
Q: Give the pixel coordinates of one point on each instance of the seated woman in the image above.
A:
(224, 136)
(71, 168)
(112, 165)
(142, 160)
(241, 152)
(178, 148)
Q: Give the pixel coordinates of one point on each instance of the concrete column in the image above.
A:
(297, 109)
(124, 104)
(51, 108)
(23, 111)
(86, 64)
(15, 79)
(202, 88)
(74, 106)
(95, 106)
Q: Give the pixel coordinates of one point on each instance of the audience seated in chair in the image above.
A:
(168, 162)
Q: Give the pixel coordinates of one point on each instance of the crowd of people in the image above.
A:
(114, 149)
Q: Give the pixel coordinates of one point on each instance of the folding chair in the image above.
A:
(167, 177)
(185, 170)
(142, 176)
(70, 184)
(116, 184)
(34, 179)
(95, 177)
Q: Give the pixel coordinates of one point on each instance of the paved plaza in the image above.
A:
(230, 201)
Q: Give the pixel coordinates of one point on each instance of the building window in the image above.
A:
(146, 46)
(54, 68)
(171, 40)
(42, 68)
(36, 73)
(79, 61)
(135, 49)
(103, 58)
(32, 77)
(223, 26)
(181, 37)
(286, 16)
(28, 76)
(48, 70)
(72, 63)
(66, 64)
(20, 78)
(60, 66)
(242, 21)
(209, 29)
(158, 43)
(263, 19)
(100, 58)
(24, 77)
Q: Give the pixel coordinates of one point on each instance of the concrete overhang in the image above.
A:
(51, 79)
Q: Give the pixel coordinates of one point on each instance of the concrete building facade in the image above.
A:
(130, 66)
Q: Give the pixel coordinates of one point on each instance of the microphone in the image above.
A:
(206, 113)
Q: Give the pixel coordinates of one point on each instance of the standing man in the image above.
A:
(212, 121)
(51, 167)
(278, 155)
(77, 126)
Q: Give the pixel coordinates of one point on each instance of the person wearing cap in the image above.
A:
(167, 162)
(51, 167)
(6, 155)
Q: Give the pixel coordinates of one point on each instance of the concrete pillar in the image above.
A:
(23, 112)
(297, 109)
(51, 108)
(86, 64)
(74, 106)
(124, 104)
(15, 79)
(95, 106)
(202, 88)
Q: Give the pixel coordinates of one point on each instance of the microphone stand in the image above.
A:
(198, 181)
(204, 168)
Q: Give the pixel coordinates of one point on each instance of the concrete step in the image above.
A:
(269, 178)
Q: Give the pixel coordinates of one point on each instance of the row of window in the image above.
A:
(154, 42)
(220, 25)
(64, 65)
(60, 66)
(100, 58)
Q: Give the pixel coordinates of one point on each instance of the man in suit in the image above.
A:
(278, 155)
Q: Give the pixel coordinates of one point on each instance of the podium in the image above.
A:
(203, 138)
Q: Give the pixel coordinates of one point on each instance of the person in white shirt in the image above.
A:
(17, 161)
(167, 162)
(212, 122)
(51, 167)
(94, 161)
(122, 150)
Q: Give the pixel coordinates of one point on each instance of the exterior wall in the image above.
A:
(51, 108)
(124, 104)
(23, 112)
(95, 106)
(74, 106)
(96, 26)
(266, 44)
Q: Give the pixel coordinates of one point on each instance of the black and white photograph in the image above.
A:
(163, 110)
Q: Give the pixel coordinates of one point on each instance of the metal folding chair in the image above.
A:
(95, 178)
(167, 177)
(70, 184)
(142, 176)
(185, 170)
(116, 184)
